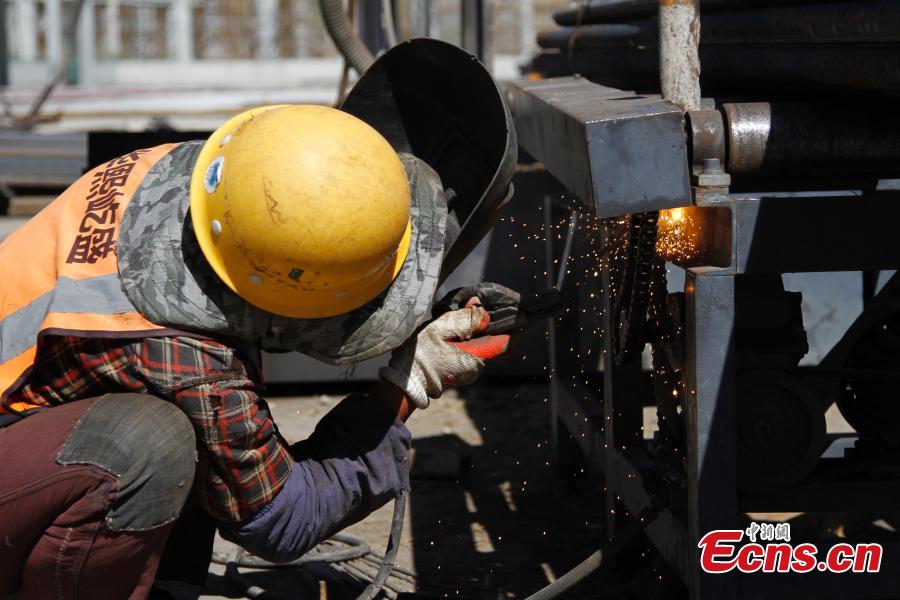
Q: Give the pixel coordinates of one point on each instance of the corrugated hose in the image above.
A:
(341, 33)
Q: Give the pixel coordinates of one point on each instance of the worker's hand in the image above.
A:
(446, 353)
(490, 295)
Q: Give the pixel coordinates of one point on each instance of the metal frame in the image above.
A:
(757, 243)
(617, 151)
(571, 126)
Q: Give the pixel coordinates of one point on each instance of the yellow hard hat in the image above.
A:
(303, 211)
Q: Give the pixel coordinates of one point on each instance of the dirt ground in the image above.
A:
(502, 528)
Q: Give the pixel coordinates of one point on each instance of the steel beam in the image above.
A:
(711, 420)
(618, 152)
(629, 474)
(816, 234)
(801, 234)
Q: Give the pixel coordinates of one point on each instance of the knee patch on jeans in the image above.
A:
(149, 445)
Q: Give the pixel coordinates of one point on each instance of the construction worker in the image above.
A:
(132, 315)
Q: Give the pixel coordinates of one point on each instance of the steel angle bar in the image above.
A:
(630, 475)
(711, 419)
(801, 234)
(810, 234)
(617, 151)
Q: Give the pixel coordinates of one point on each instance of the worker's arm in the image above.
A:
(358, 457)
(275, 500)
(355, 461)
(393, 400)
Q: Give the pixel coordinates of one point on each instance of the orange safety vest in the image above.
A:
(59, 272)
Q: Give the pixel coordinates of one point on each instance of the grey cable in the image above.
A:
(390, 554)
(553, 590)
(358, 549)
(341, 33)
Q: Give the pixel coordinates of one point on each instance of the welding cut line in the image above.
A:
(631, 301)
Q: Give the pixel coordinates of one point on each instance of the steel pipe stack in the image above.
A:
(806, 89)
(794, 48)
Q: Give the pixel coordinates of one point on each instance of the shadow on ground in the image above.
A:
(507, 526)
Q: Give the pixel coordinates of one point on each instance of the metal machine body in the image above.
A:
(617, 151)
(779, 182)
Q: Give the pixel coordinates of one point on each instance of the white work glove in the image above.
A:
(443, 354)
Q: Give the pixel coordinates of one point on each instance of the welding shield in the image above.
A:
(439, 103)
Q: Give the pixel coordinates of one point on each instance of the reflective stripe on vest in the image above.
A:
(58, 272)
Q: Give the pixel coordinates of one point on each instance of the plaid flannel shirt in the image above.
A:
(243, 461)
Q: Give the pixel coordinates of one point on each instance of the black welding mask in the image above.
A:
(438, 102)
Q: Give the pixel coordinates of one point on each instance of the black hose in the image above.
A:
(341, 33)
(390, 554)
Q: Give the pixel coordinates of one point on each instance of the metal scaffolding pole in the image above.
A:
(53, 33)
(679, 56)
(26, 34)
(183, 43)
(477, 21)
(112, 31)
(266, 29)
(86, 44)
